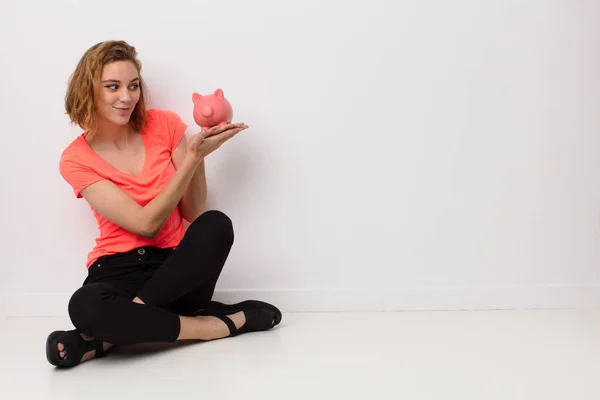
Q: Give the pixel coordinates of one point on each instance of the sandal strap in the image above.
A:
(229, 323)
(95, 344)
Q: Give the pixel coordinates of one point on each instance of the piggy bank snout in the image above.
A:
(207, 111)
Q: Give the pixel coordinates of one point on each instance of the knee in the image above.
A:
(85, 307)
(217, 223)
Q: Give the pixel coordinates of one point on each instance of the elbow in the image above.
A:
(148, 235)
(148, 231)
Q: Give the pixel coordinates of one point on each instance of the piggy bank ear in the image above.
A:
(219, 94)
(196, 97)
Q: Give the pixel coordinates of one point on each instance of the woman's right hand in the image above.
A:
(205, 142)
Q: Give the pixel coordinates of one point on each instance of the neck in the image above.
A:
(118, 135)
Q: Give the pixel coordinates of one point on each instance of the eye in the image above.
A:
(111, 87)
(134, 87)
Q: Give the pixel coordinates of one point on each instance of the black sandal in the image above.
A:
(75, 346)
(260, 316)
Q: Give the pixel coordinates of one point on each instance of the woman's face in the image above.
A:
(119, 92)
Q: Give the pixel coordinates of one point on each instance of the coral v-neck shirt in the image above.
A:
(81, 166)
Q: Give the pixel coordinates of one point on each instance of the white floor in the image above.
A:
(413, 355)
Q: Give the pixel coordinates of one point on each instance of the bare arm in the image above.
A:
(194, 198)
(115, 205)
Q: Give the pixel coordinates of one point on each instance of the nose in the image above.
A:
(125, 96)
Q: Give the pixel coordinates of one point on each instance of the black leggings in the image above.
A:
(169, 282)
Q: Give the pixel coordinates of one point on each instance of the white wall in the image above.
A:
(402, 155)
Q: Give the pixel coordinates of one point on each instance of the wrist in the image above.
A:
(192, 161)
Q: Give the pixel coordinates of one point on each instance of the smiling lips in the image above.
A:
(123, 111)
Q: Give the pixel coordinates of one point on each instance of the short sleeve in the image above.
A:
(78, 175)
(175, 128)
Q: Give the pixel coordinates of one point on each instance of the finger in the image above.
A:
(237, 125)
(225, 136)
(210, 131)
(230, 133)
(204, 133)
(216, 130)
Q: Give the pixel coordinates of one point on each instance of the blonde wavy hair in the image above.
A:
(80, 102)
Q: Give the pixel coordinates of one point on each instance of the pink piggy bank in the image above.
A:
(211, 110)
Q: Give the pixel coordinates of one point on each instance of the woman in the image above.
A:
(149, 279)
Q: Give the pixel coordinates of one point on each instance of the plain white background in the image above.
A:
(401, 155)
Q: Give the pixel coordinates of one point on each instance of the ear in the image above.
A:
(219, 94)
(196, 97)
